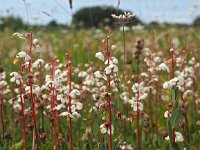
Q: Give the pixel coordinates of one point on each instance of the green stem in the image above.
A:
(124, 44)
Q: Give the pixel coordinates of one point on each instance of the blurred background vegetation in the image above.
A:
(86, 17)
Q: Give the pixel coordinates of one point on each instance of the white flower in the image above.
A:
(58, 107)
(82, 74)
(16, 77)
(74, 93)
(37, 89)
(17, 106)
(3, 83)
(24, 56)
(57, 73)
(167, 114)
(134, 105)
(157, 59)
(19, 35)
(38, 63)
(166, 85)
(50, 84)
(100, 56)
(66, 114)
(113, 47)
(140, 106)
(173, 82)
(61, 98)
(128, 147)
(143, 96)
(164, 67)
(35, 41)
(124, 96)
(123, 146)
(47, 78)
(76, 114)
(135, 87)
(178, 137)
(98, 74)
(79, 106)
(47, 67)
(178, 60)
(112, 60)
(177, 81)
(186, 93)
(105, 128)
(167, 138)
(192, 61)
(108, 70)
(111, 68)
(36, 46)
(144, 74)
(123, 19)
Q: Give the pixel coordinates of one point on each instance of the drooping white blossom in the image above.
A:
(164, 67)
(100, 56)
(178, 137)
(24, 56)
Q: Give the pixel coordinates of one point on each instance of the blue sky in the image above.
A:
(178, 11)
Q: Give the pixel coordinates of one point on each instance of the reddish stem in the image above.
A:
(156, 113)
(138, 111)
(172, 56)
(22, 112)
(42, 108)
(108, 96)
(31, 94)
(53, 120)
(69, 106)
(2, 116)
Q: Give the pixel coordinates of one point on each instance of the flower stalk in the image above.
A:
(2, 114)
(124, 44)
(138, 50)
(69, 97)
(22, 111)
(53, 112)
(108, 89)
(30, 82)
(137, 101)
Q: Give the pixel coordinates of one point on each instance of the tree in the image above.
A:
(12, 23)
(98, 17)
(196, 22)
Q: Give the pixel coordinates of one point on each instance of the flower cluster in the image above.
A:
(123, 18)
(105, 128)
(123, 146)
(142, 90)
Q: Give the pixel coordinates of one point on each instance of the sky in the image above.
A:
(43, 11)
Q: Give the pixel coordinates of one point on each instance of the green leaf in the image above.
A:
(175, 94)
(169, 128)
(176, 116)
(175, 146)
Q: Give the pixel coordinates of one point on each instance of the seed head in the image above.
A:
(138, 48)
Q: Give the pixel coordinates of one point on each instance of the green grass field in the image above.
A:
(84, 44)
